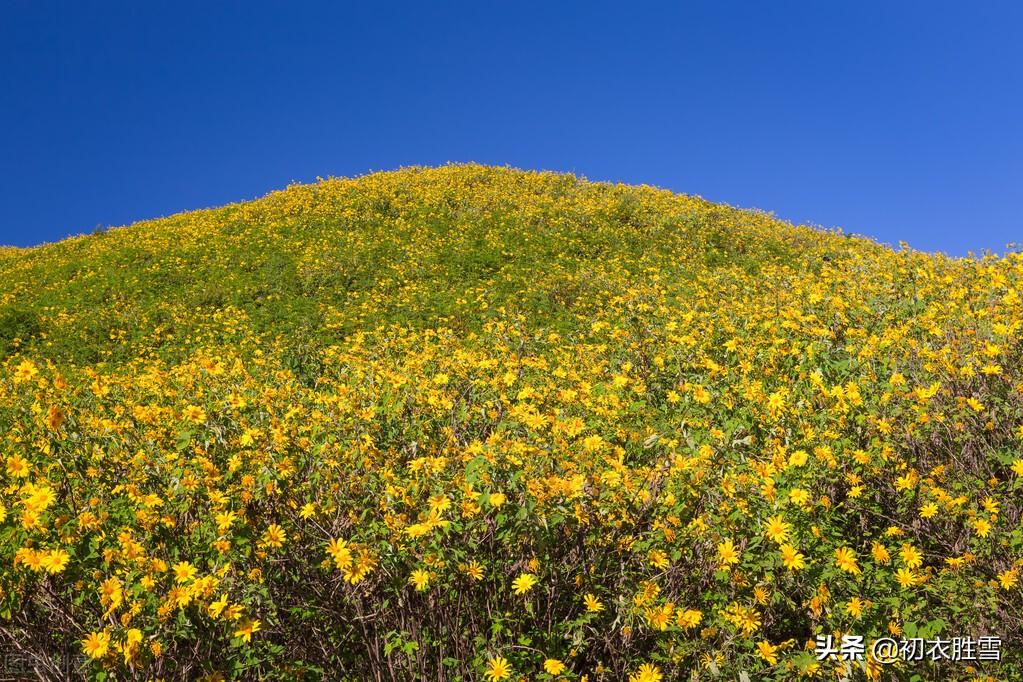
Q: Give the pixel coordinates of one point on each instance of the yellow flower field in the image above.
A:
(471, 423)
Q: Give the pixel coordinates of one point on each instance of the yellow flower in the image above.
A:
(38, 498)
(880, 553)
(658, 617)
(181, 596)
(911, 556)
(524, 583)
(234, 612)
(474, 570)
(18, 467)
(776, 401)
(274, 536)
(727, 553)
(339, 551)
(438, 505)
(194, 414)
(777, 529)
(768, 652)
(96, 644)
(648, 672)
(688, 618)
(184, 571)
(420, 579)
(246, 628)
(845, 559)
(54, 561)
(658, 559)
(854, 607)
(1008, 578)
(799, 496)
(553, 666)
(906, 481)
(792, 558)
(217, 607)
(360, 568)
(54, 417)
(25, 371)
(131, 642)
(498, 669)
(905, 577)
(798, 458)
(497, 499)
(110, 593)
(224, 520)
(593, 605)
(749, 621)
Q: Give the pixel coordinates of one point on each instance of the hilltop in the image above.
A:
(472, 422)
(423, 247)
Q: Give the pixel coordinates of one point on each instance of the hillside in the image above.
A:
(423, 247)
(468, 421)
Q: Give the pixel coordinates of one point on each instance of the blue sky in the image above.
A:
(898, 120)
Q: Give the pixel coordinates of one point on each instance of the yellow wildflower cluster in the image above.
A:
(502, 424)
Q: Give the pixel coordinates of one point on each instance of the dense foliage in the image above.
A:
(473, 423)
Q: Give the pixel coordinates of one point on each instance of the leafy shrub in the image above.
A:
(17, 328)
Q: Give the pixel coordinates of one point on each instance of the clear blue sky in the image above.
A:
(899, 120)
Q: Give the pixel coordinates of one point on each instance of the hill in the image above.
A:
(472, 422)
(419, 247)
